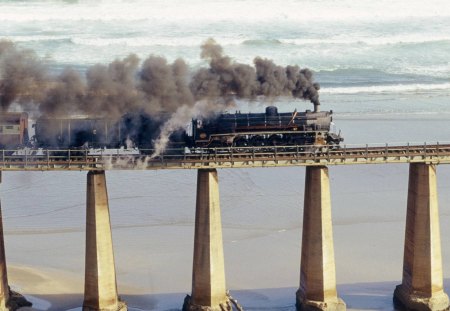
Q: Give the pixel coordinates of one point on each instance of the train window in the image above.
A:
(9, 127)
(1, 129)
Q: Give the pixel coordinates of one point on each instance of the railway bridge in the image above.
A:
(422, 283)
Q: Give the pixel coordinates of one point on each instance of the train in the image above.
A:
(14, 130)
(271, 128)
(308, 129)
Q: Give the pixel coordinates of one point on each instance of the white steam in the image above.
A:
(182, 116)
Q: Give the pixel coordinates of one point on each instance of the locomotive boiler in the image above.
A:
(271, 128)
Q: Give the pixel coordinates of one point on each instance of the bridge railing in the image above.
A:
(146, 158)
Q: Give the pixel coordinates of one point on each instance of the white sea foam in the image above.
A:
(370, 40)
(160, 10)
(35, 38)
(189, 41)
(398, 88)
(39, 304)
(195, 40)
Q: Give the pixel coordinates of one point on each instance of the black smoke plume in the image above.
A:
(224, 77)
(23, 76)
(155, 85)
(165, 86)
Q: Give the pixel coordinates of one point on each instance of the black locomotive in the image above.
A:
(266, 129)
(306, 129)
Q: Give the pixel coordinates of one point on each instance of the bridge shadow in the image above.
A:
(357, 296)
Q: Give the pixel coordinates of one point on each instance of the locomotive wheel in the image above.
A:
(241, 142)
(215, 144)
(257, 141)
(275, 140)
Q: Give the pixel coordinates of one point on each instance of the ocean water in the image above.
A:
(385, 72)
(353, 46)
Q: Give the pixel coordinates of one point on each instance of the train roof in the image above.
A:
(13, 115)
(75, 117)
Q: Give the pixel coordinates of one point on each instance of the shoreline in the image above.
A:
(358, 295)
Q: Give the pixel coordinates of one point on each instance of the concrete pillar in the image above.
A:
(100, 289)
(4, 289)
(318, 275)
(9, 300)
(208, 276)
(422, 284)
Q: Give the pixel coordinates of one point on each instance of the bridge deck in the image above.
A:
(235, 157)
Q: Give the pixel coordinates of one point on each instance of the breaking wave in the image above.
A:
(399, 88)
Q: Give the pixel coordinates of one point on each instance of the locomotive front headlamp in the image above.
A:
(202, 135)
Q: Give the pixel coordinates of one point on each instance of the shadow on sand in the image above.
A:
(357, 296)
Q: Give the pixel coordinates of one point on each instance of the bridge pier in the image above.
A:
(422, 283)
(208, 276)
(100, 288)
(9, 300)
(318, 273)
(4, 288)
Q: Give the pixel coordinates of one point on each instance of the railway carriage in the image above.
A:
(13, 130)
(77, 132)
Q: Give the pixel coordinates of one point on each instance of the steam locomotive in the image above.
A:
(307, 129)
(266, 129)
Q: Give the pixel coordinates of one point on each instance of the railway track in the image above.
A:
(232, 157)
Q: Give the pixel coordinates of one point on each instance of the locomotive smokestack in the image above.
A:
(316, 106)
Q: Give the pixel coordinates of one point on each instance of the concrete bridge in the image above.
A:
(422, 283)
